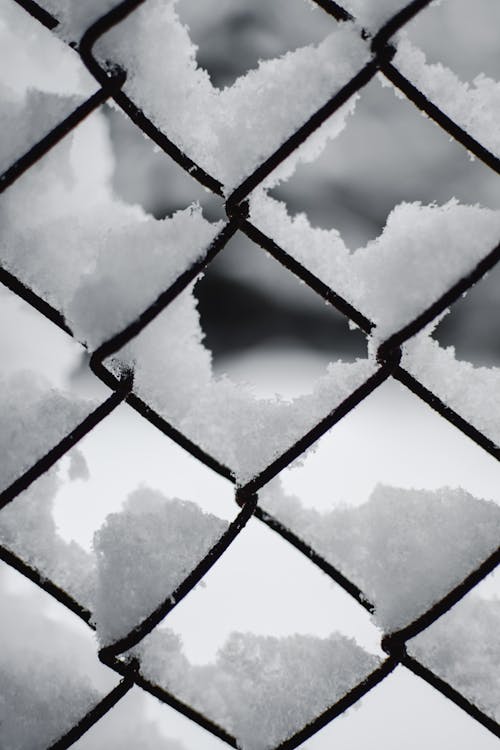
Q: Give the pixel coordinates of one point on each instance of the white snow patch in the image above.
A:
(230, 132)
(143, 553)
(404, 548)
(35, 417)
(470, 391)
(262, 689)
(422, 251)
(41, 82)
(94, 257)
(225, 418)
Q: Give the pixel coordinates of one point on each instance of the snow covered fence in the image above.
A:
(238, 143)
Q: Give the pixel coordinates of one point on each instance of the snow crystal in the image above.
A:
(262, 689)
(425, 248)
(470, 391)
(463, 648)
(240, 126)
(43, 690)
(243, 432)
(143, 554)
(103, 243)
(474, 106)
(34, 417)
(28, 529)
(404, 548)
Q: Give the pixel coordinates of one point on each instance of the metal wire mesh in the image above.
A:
(388, 357)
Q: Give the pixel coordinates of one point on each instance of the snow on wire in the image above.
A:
(367, 54)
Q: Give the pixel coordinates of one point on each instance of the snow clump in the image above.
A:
(261, 689)
(404, 548)
(143, 553)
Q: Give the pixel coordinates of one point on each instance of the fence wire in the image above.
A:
(111, 82)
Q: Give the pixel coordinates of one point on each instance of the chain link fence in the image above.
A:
(111, 82)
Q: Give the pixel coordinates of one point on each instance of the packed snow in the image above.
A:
(404, 548)
(226, 419)
(261, 689)
(425, 248)
(475, 106)
(240, 125)
(143, 553)
(463, 648)
(35, 417)
(469, 390)
(104, 242)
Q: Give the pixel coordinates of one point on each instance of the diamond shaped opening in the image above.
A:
(274, 604)
(387, 154)
(227, 148)
(381, 526)
(263, 324)
(116, 522)
(242, 428)
(102, 242)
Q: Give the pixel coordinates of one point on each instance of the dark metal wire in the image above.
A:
(111, 80)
